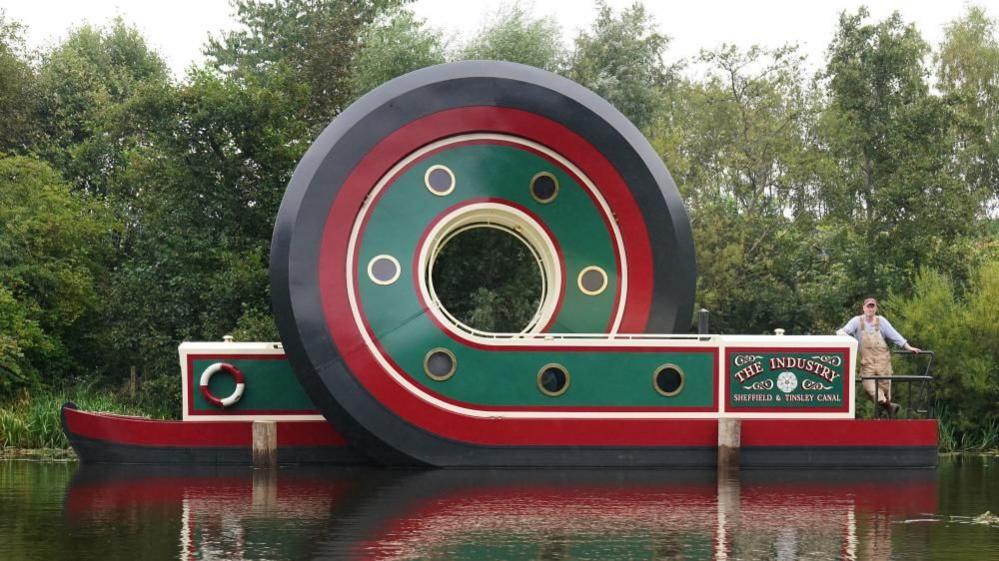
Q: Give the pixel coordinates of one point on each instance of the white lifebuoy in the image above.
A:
(234, 397)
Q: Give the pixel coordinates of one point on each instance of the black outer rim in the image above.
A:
(318, 177)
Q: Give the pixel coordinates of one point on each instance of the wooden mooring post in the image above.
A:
(133, 382)
(729, 442)
(265, 447)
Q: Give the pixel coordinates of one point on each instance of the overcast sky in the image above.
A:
(177, 29)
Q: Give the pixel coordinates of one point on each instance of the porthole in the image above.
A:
(592, 280)
(439, 180)
(544, 187)
(384, 269)
(440, 364)
(553, 380)
(668, 380)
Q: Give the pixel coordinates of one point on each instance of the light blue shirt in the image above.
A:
(853, 327)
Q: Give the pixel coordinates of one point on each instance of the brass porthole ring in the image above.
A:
(384, 269)
(668, 380)
(592, 280)
(440, 364)
(544, 187)
(439, 180)
(553, 379)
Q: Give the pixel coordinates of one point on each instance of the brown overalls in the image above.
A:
(875, 360)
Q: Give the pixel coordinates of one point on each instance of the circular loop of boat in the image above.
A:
(232, 398)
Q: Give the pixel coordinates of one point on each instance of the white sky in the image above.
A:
(177, 29)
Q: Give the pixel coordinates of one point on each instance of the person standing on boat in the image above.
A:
(871, 330)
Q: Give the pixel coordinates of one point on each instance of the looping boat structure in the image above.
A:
(425, 158)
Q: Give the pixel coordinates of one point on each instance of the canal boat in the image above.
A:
(605, 373)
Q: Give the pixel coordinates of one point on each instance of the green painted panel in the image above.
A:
(786, 380)
(270, 386)
(509, 378)
(407, 208)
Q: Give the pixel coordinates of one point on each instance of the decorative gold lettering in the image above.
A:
(748, 372)
(805, 365)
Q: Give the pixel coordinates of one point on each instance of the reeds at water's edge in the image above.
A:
(32, 420)
(981, 439)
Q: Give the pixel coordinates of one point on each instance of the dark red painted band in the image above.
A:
(838, 432)
(149, 432)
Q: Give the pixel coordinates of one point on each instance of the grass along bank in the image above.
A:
(32, 421)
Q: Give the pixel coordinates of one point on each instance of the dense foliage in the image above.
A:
(136, 208)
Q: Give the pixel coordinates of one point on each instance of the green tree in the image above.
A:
(621, 59)
(212, 182)
(738, 144)
(88, 87)
(513, 35)
(19, 334)
(16, 88)
(891, 141)
(392, 47)
(53, 244)
(968, 76)
(313, 41)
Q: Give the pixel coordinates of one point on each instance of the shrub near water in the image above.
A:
(962, 328)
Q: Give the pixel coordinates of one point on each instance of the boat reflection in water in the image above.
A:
(215, 513)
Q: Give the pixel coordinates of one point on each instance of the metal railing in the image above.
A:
(916, 400)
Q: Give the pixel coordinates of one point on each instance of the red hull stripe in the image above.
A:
(838, 432)
(697, 432)
(148, 432)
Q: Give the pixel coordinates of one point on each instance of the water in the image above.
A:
(65, 511)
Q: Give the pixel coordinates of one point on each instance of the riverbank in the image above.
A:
(38, 454)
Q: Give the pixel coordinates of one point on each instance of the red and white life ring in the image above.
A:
(234, 397)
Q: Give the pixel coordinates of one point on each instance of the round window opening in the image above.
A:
(440, 364)
(668, 380)
(592, 280)
(553, 380)
(439, 180)
(384, 269)
(488, 278)
(544, 187)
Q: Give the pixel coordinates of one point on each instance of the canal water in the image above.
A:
(58, 511)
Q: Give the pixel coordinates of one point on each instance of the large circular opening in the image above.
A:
(489, 278)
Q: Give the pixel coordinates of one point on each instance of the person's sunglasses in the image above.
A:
(870, 305)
